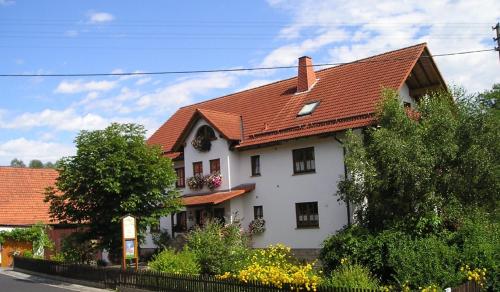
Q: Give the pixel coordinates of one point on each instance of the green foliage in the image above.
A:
(35, 163)
(17, 163)
(114, 173)
(36, 234)
(352, 276)
(219, 248)
(478, 238)
(170, 261)
(425, 261)
(407, 172)
(78, 248)
(161, 239)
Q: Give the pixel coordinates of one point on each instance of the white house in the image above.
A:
(278, 147)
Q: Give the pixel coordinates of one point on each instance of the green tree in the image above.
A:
(490, 99)
(113, 173)
(17, 163)
(49, 164)
(416, 170)
(35, 163)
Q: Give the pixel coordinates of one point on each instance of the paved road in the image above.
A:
(11, 284)
(13, 281)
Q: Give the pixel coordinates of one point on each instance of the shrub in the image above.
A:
(425, 261)
(219, 248)
(27, 254)
(275, 266)
(169, 261)
(162, 239)
(352, 276)
(77, 248)
(478, 238)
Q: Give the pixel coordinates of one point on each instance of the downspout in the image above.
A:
(345, 176)
(229, 172)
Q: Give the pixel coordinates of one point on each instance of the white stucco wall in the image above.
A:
(404, 94)
(277, 189)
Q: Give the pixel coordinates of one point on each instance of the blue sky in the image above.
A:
(39, 117)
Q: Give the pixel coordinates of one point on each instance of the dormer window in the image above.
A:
(203, 138)
(308, 108)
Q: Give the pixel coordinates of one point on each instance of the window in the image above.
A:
(406, 105)
(215, 165)
(255, 165)
(206, 133)
(219, 215)
(181, 222)
(180, 183)
(307, 109)
(198, 168)
(303, 160)
(258, 212)
(307, 214)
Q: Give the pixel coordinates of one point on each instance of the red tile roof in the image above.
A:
(22, 195)
(218, 197)
(348, 95)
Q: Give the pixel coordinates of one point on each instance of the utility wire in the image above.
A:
(238, 69)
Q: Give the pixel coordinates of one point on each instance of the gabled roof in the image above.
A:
(227, 124)
(348, 95)
(22, 194)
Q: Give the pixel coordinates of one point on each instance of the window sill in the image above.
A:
(255, 175)
(305, 172)
(307, 227)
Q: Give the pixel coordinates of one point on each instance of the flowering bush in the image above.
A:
(257, 226)
(201, 144)
(477, 275)
(275, 266)
(213, 180)
(196, 182)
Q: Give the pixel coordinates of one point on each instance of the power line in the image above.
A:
(237, 69)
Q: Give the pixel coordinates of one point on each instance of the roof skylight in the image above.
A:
(308, 108)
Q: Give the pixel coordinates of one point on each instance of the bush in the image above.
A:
(169, 261)
(478, 238)
(360, 246)
(78, 249)
(276, 266)
(352, 276)
(424, 261)
(219, 248)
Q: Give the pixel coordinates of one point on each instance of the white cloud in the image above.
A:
(181, 93)
(64, 120)
(447, 26)
(71, 33)
(27, 150)
(143, 81)
(6, 2)
(77, 86)
(99, 17)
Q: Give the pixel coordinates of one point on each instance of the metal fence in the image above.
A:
(150, 280)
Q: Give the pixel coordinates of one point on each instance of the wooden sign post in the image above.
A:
(129, 241)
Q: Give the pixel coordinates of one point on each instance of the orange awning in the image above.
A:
(218, 197)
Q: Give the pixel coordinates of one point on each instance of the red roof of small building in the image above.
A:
(348, 95)
(22, 194)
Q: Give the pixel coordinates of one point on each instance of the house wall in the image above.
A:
(277, 189)
(404, 94)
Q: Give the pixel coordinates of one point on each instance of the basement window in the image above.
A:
(308, 108)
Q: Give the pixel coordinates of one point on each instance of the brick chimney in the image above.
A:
(306, 76)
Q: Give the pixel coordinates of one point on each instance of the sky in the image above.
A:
(41, 116)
